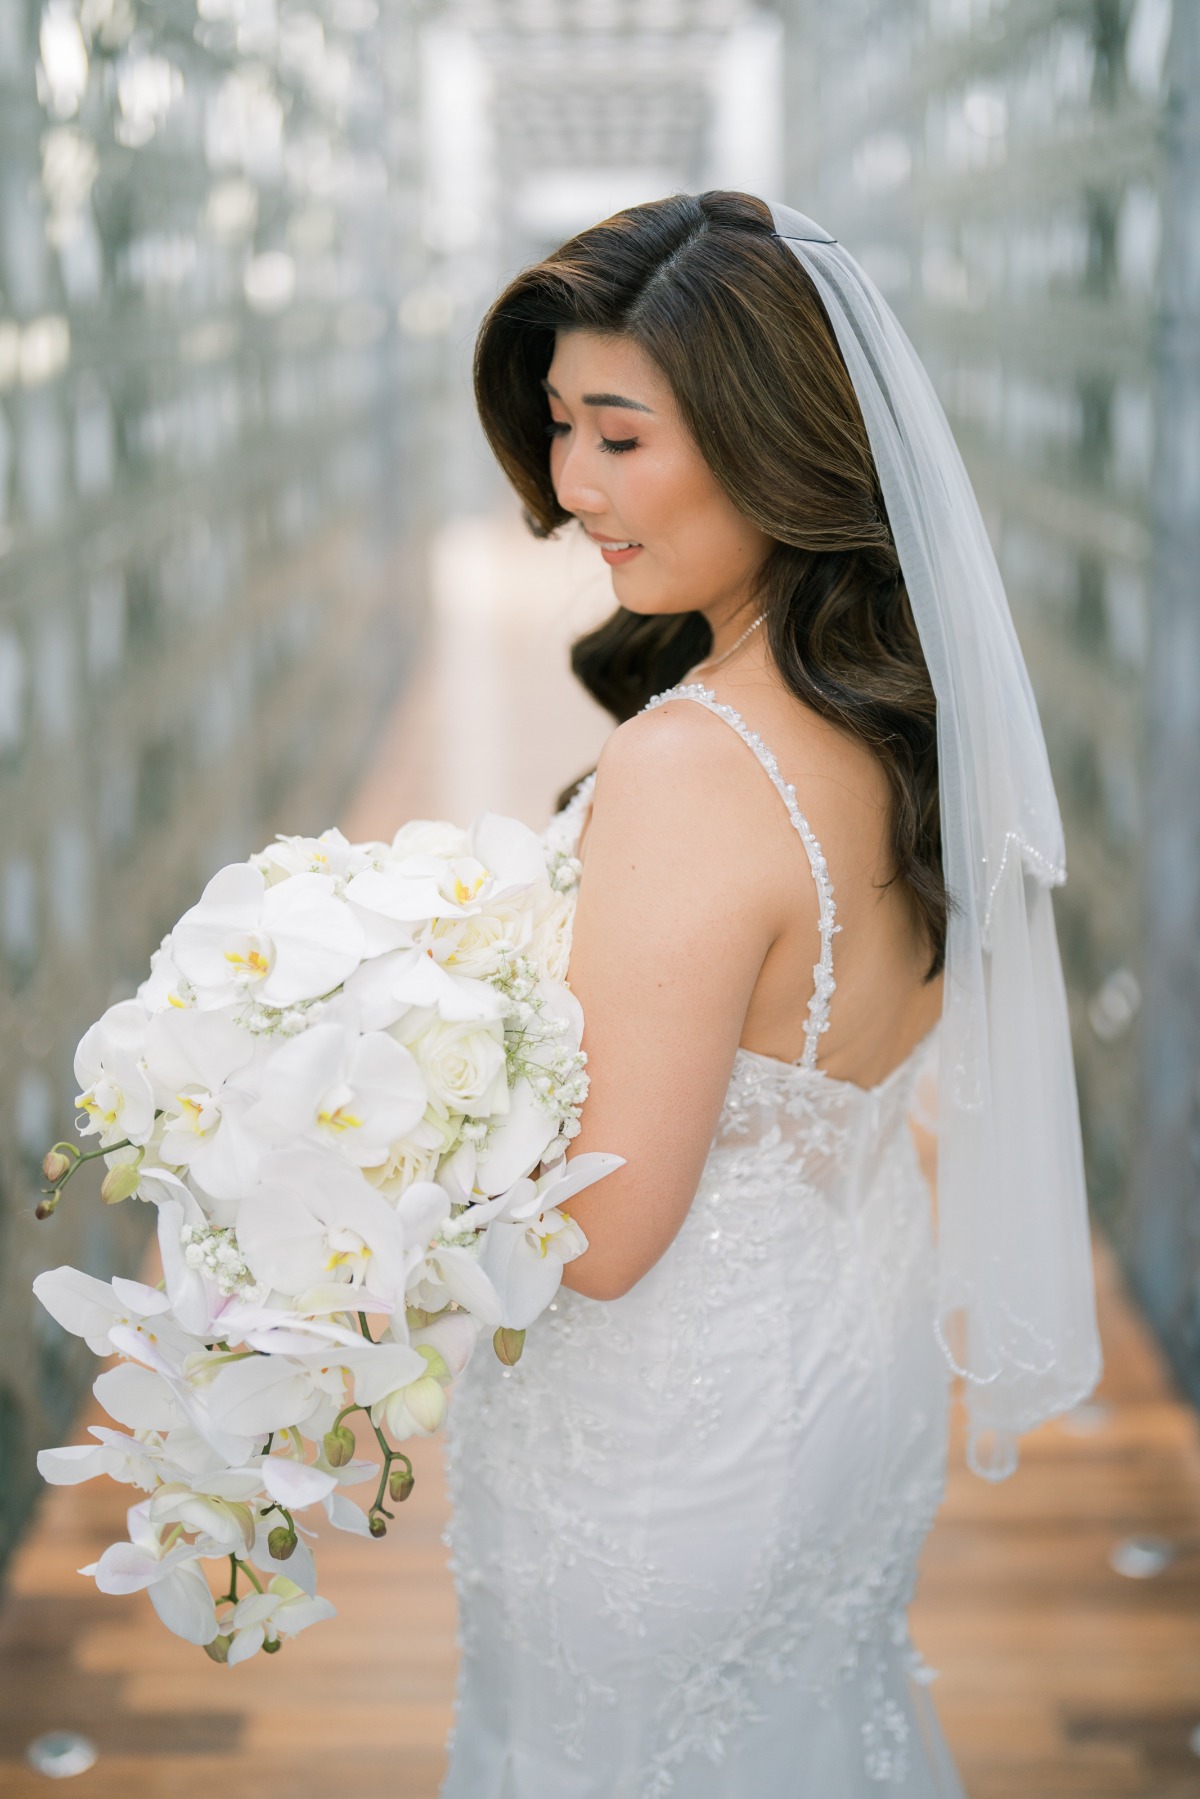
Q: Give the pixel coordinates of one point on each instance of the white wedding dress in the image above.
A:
(686, 1525)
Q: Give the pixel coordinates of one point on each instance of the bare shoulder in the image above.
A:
(677, 761)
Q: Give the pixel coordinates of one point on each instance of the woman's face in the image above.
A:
(622, 461)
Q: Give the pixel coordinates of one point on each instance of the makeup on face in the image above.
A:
(623, 462)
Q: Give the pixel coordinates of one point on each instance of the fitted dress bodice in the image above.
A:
(686, 1525)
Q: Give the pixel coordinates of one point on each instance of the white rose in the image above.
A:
(415, 1157)
(429, 837)
(463, 1062)
(551, 946)
(470, 945)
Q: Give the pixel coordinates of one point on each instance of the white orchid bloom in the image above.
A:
(328, 854)
(115, 1091)
(453, 1273)
(219, 1510)
(92, 1309)
(384, 988)
(122, 1458)
(354, 1094)
(528, 1241)
(278, 945)
(310, 1215)
(164, 985)
(441, 1263)
(282, 1611)
(177, 1587)
(501, 860)
(231, 1399)
(194, 1060)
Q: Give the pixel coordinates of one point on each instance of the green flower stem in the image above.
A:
(235, 1562)
(364, 1327)
(248, 1571)
(390, 1455)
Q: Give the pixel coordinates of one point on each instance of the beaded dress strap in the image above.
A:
(823, 981)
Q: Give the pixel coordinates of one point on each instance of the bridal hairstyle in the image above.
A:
(719, 304)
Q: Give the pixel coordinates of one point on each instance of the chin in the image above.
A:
(652, 608)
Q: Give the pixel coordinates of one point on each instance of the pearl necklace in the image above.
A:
(733, 646)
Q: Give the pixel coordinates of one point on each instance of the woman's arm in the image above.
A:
(671, 929)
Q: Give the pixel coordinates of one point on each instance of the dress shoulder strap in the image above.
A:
(823, 981)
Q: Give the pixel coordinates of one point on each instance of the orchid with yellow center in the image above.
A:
(355, 1094)
(283, 944)
(116, 1094)
(528, 1240)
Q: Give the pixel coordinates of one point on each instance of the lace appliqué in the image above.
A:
(823, 981)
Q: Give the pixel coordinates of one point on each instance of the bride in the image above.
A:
(817, 853)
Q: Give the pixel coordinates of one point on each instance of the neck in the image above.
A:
(735, 637)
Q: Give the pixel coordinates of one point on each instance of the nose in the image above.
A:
(574, 476)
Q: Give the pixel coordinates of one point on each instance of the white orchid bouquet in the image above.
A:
(347, 1085)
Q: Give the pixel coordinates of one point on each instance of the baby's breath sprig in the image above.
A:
(215, 1251)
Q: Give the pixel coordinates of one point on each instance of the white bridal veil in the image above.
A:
(1016, 1303)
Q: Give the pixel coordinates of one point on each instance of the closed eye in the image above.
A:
(613, 446)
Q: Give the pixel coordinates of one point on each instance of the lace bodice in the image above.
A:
(686, 1524)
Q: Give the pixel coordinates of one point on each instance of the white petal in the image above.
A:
(516, 1146)
(245, 1644)
(73, 1463)
(185, 1605)
(295, 1484)
(261, 1394)
(378, 1369)
(318, 940)
(137, 1397)
(525, 1279)
(343, 1514)
(135, 1296)
(468, 1282)
(80, 1303)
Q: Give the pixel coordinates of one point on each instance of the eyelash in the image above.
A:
(615, 446)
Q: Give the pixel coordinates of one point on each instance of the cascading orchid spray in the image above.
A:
(348, 1085)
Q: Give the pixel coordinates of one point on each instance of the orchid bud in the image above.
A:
(271, 1646)
(119, 1183)
(45, 1207)
(377, 1525)
(55, 1165)
(339, 1446)
(281, 1542)
(426, 1403)
(400, 1483)
(218, 1649)
(508, 1345)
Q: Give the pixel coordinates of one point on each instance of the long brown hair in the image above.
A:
(728, 314)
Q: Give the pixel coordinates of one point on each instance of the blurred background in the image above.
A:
(257, 574)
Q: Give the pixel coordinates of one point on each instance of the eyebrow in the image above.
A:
(601, 399)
